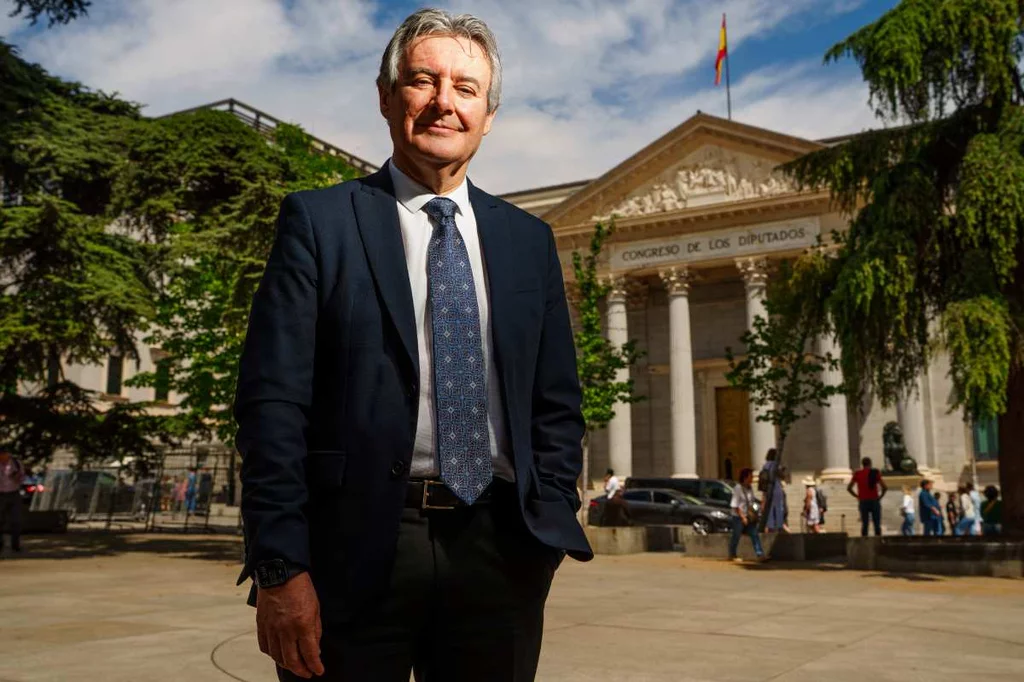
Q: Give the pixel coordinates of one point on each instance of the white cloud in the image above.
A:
(587, 82)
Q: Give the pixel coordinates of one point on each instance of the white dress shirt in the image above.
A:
(417, 228)
(742, 501)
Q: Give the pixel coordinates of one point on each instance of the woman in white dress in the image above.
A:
(812, 513)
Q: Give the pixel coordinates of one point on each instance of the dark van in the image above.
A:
(709, 491)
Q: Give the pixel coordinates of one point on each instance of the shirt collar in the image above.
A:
(414, 196)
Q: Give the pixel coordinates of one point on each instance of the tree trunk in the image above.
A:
(1011, 456)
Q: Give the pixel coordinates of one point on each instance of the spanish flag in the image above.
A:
(723, 52)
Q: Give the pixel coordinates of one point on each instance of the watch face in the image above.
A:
(271, 573)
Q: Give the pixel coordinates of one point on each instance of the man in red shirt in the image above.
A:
(870, 491)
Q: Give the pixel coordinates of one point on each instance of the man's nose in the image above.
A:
(443, 98)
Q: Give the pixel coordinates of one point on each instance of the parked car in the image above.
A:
(31, 485)
(710, 491)
(661, 507)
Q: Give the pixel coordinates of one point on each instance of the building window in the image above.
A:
(986, 440)
(115, 373)
(163, 381)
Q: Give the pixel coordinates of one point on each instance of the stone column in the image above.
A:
(910, 413)
(684, 427)
(755, 277)
(620, 428)
(835, 437)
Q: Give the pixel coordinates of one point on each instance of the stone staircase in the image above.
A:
(843, 515)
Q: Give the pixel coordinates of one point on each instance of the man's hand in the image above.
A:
(288, 625)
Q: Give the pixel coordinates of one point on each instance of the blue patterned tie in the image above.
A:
(460, 394)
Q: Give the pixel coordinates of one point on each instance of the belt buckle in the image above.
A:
(426, 494)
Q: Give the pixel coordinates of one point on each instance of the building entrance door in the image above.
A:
(732, 421)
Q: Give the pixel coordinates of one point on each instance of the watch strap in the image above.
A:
(275, 572)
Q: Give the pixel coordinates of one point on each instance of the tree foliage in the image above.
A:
(598, 360)
(72, 285)
(56, 11)
(783, 369)
(206, 187)
(932, 259)
(932, 256)
(117, 230)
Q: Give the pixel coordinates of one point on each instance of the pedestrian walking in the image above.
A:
(773, 499)
(812, 511)
(191, 490)
(907, 511)
(991, 512)
(180, 485)
(12, 473)
(976, 502)
(953, 513)
(744, 518)
(931, 512)
(940, 519)
(822, 497)
(870, 489)
(968, 512)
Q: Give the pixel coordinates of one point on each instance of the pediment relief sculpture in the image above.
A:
(710, 175)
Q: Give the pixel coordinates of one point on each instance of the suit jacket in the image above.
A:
(328, 385)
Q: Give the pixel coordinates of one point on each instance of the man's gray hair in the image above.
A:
(438, 22)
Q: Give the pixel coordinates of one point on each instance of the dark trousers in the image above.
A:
(738, 531)
(10, 518)
(465, 603)
(870, 509)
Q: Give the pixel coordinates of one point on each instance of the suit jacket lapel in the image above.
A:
(377, 218)
(496, 240)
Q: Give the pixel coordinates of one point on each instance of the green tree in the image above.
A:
(933, 258)
(57, 11)
(598, 360)
(784, 369)
(207, 187)
(74, 285)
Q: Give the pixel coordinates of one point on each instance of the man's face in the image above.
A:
(437, 112)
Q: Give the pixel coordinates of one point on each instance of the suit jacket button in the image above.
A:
(411, 390)
(398, 468)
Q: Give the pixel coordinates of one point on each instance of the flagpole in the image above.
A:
(728, 58)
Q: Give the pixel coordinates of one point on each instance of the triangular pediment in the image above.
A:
(703, 162)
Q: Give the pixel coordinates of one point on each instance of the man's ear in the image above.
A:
(489, 120)
(385, 100)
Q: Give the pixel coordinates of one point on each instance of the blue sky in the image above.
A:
(587, 82)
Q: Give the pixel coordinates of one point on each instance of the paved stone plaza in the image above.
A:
(117, 608)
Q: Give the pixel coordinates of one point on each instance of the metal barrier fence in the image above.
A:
(194, 490)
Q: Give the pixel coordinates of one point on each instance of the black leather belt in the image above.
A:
(425, 495)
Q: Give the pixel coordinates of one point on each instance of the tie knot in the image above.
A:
(441, 209)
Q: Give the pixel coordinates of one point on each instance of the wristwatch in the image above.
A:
(275, 572)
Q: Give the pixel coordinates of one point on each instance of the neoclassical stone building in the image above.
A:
(702, 217)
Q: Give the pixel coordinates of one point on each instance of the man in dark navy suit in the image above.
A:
(408, 406)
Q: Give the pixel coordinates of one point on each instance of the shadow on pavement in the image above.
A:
(87, 544)
(773, 565)
(908, 577)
